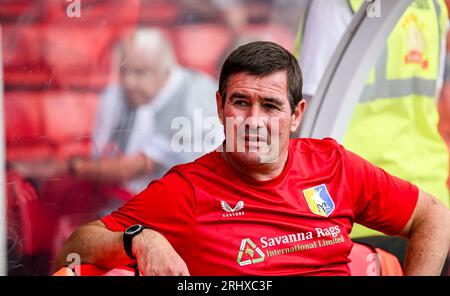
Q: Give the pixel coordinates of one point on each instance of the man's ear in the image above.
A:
(297, 115)
(219, 104)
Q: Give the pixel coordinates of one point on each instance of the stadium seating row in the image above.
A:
(39, 124)
(61, 57)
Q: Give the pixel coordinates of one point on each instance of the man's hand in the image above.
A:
(156, 256)
(40, 170)
(101, 247)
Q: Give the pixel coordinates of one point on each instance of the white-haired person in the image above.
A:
(146, 123)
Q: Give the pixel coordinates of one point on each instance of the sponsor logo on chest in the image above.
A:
(258, 250)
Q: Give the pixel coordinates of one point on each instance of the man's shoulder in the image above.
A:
(314, 153)
(317, 157)
(196, 82)
(112, 95)
(112, 90)
(305, 145)
(197, 76)
(181, 175)
(205, 163)
(195, 90)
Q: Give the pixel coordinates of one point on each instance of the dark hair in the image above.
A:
(263, 58)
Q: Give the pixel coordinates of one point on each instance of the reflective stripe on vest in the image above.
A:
(395, 87)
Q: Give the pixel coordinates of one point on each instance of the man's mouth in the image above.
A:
(254, 138)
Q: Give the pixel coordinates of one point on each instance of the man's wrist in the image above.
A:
(129, 236)
(73, 164)
(144, 239)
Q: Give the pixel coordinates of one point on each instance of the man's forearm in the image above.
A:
(112, 170)
(96, 245)
(429, 242)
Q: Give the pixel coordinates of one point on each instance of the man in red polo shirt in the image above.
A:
(264, 204)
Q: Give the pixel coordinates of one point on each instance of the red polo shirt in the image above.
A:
(223, 223)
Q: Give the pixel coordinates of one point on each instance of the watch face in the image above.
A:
(133, 229)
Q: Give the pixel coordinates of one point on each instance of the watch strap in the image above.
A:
(128, 240)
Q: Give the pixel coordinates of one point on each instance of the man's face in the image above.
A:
(257, 117)
(141, 75)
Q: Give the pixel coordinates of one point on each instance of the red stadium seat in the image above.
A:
(27, 218)
(50, 124)
(23, 118)
(13, 10)
(201, 46)
(390, 265)
(91, 270)
(22, 44)
(79, 57)
(98, 13)
(63, 51)
(361, 256)
(368, 261)
(68, 119)
(24, 64)
(29, 152)
(64, 271)
(77, 147)
(270, 32)
(158, 12)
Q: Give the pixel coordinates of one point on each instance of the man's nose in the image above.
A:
(128, 80)
(255, 118)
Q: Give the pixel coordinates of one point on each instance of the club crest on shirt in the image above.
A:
(319, 200)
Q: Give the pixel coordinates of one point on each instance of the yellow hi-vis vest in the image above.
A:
(395, 123)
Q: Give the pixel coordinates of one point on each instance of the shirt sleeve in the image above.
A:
(380, 201)
(325, 24)
(166, 206)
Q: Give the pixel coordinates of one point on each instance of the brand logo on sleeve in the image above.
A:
(319, 200)
(231, 212)
(249, 253)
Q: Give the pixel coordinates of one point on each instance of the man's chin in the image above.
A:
(253, 158)
(136, 101)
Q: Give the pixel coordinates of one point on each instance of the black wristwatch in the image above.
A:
(128, 235)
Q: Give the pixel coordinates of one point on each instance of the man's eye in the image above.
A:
(270, 106)
(240, 103)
